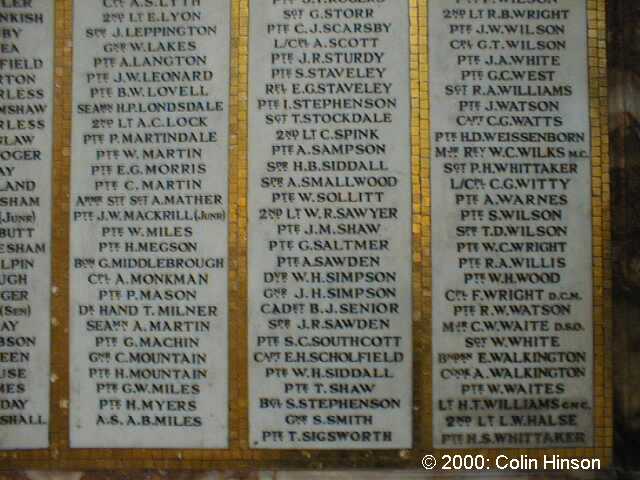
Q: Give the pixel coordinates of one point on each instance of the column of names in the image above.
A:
(149, 224)
(511, 212)
(26, 109)
(329, 225)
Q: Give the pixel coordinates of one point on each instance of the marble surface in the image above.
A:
(330, 346)
(511, 208)
(26, 66)
(149, 247)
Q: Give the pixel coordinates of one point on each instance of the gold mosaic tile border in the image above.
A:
(239, 456)
(424, 350)
(602, 275)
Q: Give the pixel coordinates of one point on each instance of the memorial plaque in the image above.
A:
(512, 222)
(26, 94)
(304, 234)
(330, 346)
(149, 224)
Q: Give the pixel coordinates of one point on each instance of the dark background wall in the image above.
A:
(624, 93)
